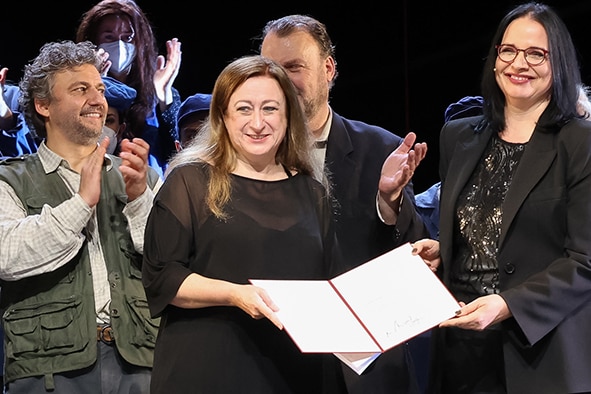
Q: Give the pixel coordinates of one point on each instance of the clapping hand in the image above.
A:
(90, 174)
(5, 112)
(105, 63)
(397, 171)
(166, 72)
(134, 167)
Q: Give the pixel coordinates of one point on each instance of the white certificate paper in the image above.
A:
(365, 311)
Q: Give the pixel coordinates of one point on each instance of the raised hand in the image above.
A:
(3, 73)
(399, 167)
(134, 167)
(397, 171)
(105, 63)
(5, 112)
(166, 72)
(90, 174)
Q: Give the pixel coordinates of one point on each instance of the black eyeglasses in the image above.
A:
(534, 56)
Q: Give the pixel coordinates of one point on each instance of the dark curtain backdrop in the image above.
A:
(400, 63)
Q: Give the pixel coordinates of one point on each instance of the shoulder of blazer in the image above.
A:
(576, 129)
(362, 133)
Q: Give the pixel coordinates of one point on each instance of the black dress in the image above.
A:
(275, 230)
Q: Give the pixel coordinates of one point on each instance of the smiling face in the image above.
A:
(524, 85)
(78, 108)
(256, 120)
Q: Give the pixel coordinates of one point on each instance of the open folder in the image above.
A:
(365, 311)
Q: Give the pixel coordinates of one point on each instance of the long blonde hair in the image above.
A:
(212, 143)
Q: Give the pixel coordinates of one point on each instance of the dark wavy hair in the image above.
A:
(141, 76)
(566, 74)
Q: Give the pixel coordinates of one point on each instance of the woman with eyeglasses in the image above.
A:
(515, 221)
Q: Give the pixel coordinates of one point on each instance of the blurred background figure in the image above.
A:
(15, 136)
(119, 97)
(191, 115)
(128, 45)
(428, 201)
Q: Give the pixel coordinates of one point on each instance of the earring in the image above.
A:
(495, 69)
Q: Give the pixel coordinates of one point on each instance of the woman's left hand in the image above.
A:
(481, 313)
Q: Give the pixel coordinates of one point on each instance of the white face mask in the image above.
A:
(108, 132)
(121, 54)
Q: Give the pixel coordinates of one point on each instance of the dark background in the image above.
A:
(400, 63)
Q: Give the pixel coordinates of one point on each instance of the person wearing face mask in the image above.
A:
(128, 47)
(119, 97)
(121, 55)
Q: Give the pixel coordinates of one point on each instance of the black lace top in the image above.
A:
(478, 221)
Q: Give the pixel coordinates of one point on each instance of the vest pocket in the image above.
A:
(45, 329)
(140, 316)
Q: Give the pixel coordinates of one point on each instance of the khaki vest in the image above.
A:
(49, 319)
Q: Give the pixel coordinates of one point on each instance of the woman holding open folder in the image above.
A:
(241, 202)
(515, 221)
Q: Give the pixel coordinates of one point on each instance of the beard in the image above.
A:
(312, 106)
(82, 133)
(314, 102)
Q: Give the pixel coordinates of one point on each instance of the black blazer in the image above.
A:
(544, 252)
(354, 156)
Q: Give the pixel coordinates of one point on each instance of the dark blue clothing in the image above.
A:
(18, 139)
(355, 154)
(160, 133)
(428, 206)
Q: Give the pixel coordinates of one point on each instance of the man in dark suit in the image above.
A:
(370, 168)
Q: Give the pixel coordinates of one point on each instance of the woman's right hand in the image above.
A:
(198, 291)
(257, 303)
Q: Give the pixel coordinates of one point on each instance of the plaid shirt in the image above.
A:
(35, 244)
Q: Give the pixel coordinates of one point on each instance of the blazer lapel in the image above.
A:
(337, 152)
(466, 156)
(537, 157)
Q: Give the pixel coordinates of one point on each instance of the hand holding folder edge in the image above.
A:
(365, 311)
